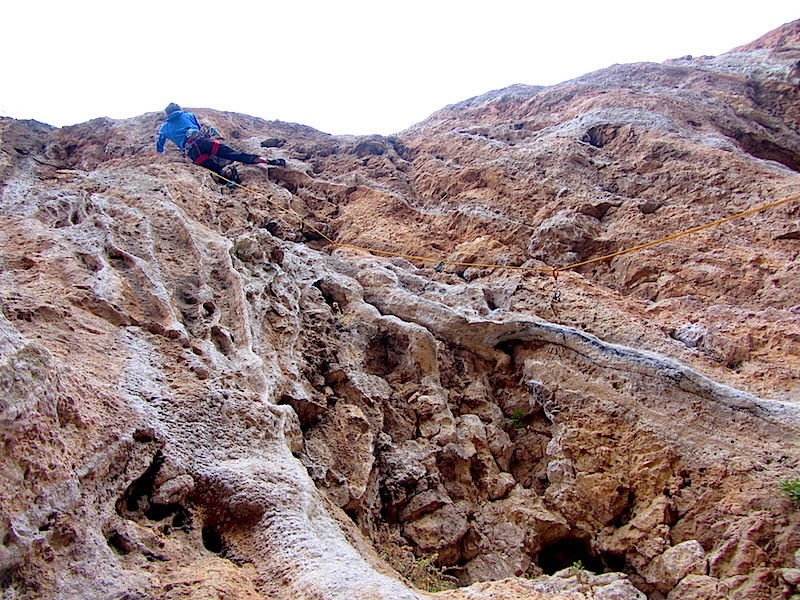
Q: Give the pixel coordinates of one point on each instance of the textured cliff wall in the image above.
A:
(202, 397)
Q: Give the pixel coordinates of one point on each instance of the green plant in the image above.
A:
(426, 575)
(517, 419)
(423, 572)
(584, 577)
(791, 487)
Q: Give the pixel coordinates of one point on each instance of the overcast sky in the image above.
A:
(343, 66)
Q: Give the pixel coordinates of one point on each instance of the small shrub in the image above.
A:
(517, 419)
(423, 572)
(584, 577)
(791, 487)
(427, 576)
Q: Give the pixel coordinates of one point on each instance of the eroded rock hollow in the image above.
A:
(209, 392)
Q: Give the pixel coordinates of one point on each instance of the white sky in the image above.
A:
(341, 66)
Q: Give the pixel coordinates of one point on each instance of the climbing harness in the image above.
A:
(207, 134)
(201, 158)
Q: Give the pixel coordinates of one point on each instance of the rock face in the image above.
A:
(213, 393)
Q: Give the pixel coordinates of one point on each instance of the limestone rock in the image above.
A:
(499, 485)
(364, 362)
(675, 563)
(790, 576)
(423, 503)
(341, 454)
(690, 334)
(174, 490)
(585, 584)
(645, 536)
(437, 422)
(565, 238)
(437, 530)
(510, 531)
(699, 587)
(403, 468)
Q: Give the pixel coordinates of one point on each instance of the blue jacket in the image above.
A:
(175, 128)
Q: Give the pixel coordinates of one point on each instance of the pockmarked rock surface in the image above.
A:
(357, 377)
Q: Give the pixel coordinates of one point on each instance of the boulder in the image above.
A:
(675, 563)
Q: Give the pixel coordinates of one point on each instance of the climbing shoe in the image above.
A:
(276, 162)
(232, 174)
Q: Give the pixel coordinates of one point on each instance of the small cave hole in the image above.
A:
(75, 217)
(90, 262)
(159, 512)
(335, 301)
(137, 496)
(288, 185)
(384, 353)
(566, 552)
(144, 435)
(600, 135)
(212, 539)
(508, 347)
(118, 259)
(766, 149)
(625, 516)
(271, 226)
(209, 308)
(119, 543)
(222, 341)
(182, 520)
(491, 299)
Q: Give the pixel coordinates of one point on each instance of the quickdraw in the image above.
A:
(557, 293)
(438, 269)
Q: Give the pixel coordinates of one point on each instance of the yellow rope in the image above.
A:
(668, 238)
(553, 270)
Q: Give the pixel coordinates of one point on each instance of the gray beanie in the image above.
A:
(171, 108)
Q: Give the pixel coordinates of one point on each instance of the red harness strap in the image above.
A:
(204, 157)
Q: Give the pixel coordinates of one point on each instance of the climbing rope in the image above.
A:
(554, 271)
(674, 236)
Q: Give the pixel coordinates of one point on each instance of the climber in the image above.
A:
(175, 127)
(184, 130)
